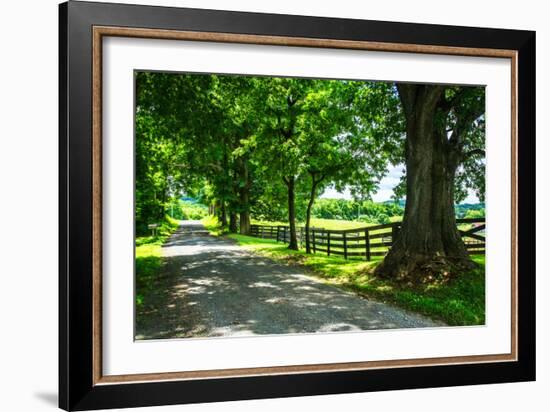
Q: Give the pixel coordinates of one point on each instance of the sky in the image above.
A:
(385, 188)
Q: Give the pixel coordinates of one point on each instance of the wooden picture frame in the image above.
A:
(82, 27)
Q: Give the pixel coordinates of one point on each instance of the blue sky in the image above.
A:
(385, 188)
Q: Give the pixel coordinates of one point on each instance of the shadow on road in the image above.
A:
(211, 287)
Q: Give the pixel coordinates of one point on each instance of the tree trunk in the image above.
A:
(233, 222)
(290, 183)
(235, 198)
(162, 206)
(223, 214)
(428, 242)
(244, 218)
(312, 195)
(225, 187)
(244, 222)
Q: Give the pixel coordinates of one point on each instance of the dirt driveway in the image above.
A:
(211, 287)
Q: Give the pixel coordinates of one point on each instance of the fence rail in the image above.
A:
(365, 242)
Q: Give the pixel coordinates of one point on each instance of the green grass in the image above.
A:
(459, 301)
(212, 224)
(332, 224)
(269, 222)
(148, 257)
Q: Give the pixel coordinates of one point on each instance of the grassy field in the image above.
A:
(458, 301)
(331, 224)
(148, 257)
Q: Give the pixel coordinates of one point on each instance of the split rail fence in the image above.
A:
(366, 242)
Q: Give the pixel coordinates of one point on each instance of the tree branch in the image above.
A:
(473, 152)
(407, 95)
(290, 101)
(447, 105)
(432, 94)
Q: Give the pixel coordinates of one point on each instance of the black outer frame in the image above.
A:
(76, 389)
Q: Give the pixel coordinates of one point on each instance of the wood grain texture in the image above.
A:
(298, 42)
(514, 218)
(97, 176)
(296, 369)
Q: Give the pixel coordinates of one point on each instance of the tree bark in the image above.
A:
(428, 241)
(312, 194)
(290, 183)
(244, 199)
(233, 222)
(162, 206)
(224, 191)
(234, 203)
(223, 214)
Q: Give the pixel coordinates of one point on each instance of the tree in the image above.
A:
(278, 137)
(339, 144)
(207, 117)
(313, 134)
(161, 167)
(240, 101)
(442, 124)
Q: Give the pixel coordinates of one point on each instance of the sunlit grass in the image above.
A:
(148, 257)
(270, 222)
(212, 224)
(332, 224)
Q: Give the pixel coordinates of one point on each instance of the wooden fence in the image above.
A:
(280, 233)
(368, 241)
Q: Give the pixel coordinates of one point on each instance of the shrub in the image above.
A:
(192, 211)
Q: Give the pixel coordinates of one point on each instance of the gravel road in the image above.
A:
(212, 287)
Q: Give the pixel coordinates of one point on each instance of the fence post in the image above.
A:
(367, 245)
(278, 233)
(313, 240)
(345, 245)
(328, 243)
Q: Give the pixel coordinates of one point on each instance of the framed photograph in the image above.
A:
(256, 205)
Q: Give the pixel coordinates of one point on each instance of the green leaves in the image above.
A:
(196, 132)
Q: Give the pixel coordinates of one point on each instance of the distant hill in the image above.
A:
(189, 199)
(460, 209)
(400, 202)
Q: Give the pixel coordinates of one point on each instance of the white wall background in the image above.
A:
(28, 204)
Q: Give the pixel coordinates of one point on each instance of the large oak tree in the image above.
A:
(444, 130)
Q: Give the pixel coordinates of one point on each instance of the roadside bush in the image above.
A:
(192, 211)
